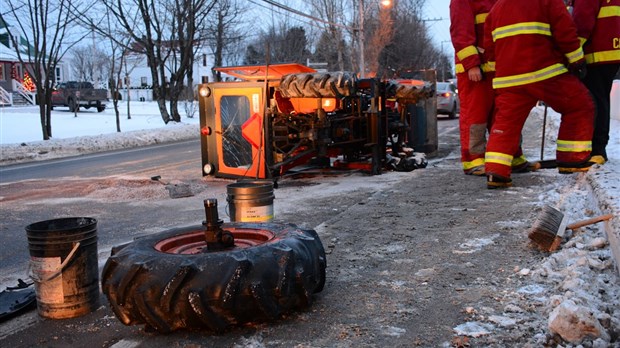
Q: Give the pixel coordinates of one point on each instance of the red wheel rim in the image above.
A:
(193, 242)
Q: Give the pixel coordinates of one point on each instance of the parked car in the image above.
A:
(448, 102)
(79, 94)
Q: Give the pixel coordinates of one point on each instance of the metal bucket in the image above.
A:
(250, 201)
(64, 266)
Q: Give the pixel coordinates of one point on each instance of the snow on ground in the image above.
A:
(89, 131)
(576, 287)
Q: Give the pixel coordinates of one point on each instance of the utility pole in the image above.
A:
(361, 40)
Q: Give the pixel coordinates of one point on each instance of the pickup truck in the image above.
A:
(79, 94)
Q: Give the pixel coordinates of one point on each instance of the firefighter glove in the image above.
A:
(578, 69)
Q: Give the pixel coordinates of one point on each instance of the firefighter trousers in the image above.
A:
(477, 101)
(564, 94)
(477, 108)
(599, 80)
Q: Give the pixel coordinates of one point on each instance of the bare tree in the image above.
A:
(186, 38)
(380, 36)
(90, 63)
(167, 32)
(118, 62)
(224, 31)
(286, 45)
(332, 41)
(411, 47)
(44, 24)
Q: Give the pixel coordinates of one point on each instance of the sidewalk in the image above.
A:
(604, 180)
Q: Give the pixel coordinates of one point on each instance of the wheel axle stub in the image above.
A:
(215, 236)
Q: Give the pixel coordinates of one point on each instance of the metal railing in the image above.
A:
(6, 98)
(28, 95)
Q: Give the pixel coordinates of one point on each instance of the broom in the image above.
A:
(548, 230)
(550, 163)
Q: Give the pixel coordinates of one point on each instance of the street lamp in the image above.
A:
(384, 3)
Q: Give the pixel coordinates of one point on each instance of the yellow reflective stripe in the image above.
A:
(480, 18)
(467, 52)
(582, 40)
(605, 56)
(575, 55)
(518, 161)
(488, 67)
(524, 79)
(473, 164)
(574, 145)
(498, 158)
(609, 11)
(522, 28)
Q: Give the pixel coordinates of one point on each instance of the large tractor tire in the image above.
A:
(408, 93)
(168, 281)
(318, 85)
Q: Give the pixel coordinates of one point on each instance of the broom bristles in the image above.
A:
(546, 227)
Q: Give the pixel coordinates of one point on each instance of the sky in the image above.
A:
(440, 29)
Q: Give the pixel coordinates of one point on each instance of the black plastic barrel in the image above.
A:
(64, 266)
(250, 201)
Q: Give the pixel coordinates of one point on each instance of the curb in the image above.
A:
(607, 205)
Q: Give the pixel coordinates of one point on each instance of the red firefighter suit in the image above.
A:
(598, 28)
(531, 43)
(467, 18)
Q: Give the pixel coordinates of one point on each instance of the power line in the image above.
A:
(299, 13)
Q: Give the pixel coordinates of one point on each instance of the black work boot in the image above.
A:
(495, 181)
(569, 168)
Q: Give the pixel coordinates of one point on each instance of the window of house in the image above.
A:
(204, 59)
(2, 77)
(58, 74)
(18, 72)
(143, 81)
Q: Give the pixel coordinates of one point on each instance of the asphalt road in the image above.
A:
(116, 189)
(108, 163)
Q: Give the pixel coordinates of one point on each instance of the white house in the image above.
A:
(15, 84)
(137, 81)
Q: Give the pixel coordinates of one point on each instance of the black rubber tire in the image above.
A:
(318, 85)
(407, 92)
(214, 290)
(342, 84)
(288, 88)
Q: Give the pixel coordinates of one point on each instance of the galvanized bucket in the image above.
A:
(64, 266)
(250, 201)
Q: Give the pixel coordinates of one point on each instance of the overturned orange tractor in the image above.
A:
(282, 116)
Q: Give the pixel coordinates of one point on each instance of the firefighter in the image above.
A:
(534, 45)
(474, 81)
(598, 28)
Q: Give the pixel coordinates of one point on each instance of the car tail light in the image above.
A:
(446, 95)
